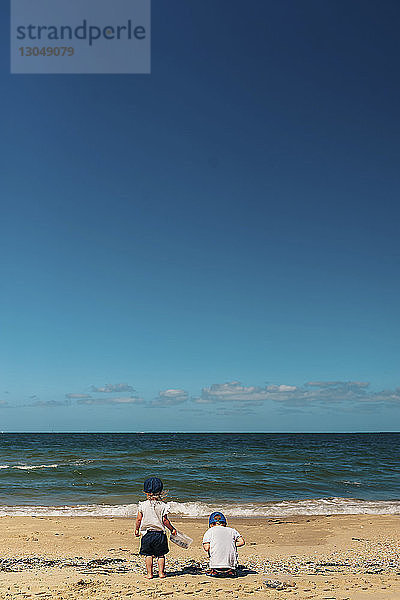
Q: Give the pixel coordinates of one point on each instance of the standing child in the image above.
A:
(221, 543)
(151, 521)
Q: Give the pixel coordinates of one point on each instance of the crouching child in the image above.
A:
(221, 543)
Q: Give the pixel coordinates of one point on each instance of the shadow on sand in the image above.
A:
(197, 569)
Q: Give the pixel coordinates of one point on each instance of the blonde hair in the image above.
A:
(160, 496)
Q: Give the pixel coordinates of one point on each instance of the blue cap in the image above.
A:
(216, 517)
(153, 485)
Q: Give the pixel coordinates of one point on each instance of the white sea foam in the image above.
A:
(319, 506)
(358, 483)
(32, 467)
(84, 510)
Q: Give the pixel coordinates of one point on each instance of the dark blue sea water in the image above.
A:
(245, 474)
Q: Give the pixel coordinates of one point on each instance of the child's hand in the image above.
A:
(173, 531)
(137, 532)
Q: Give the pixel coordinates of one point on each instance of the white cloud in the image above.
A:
(234, 395)
(281, 388)
(170, 397)
(234, 391)
(120, 401)
(313, 392)
(112, 388)
(49, 403)
(337, 384)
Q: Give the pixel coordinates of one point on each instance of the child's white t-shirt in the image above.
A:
(153, 512)
(223, 551)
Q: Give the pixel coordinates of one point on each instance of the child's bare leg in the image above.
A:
(149, 567)
(161, 567)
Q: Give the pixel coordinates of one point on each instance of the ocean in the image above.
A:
(243, 474)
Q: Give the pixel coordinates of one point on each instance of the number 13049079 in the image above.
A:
(46, 51)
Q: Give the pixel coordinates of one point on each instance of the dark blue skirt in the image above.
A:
(154, 543)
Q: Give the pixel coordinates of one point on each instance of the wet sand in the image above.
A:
(319, 557)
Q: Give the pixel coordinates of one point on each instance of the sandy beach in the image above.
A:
(322, 557)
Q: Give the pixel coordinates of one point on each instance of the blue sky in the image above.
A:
(213, 246)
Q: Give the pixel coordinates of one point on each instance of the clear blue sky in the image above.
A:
(232, 217)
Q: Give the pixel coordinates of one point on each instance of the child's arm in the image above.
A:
(168, 525)
(138, 521)
(239, 542)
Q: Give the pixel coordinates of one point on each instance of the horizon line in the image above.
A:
(200, 432)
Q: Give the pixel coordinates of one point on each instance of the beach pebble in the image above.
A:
(277, 584)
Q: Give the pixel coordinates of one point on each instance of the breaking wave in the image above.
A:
(319, 506)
